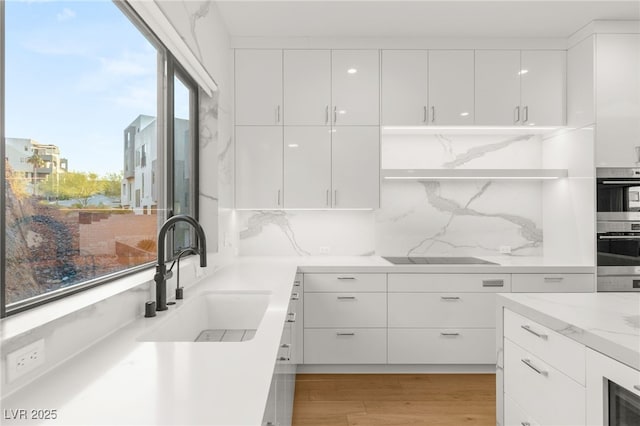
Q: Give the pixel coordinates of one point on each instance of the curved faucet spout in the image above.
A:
(160, 276)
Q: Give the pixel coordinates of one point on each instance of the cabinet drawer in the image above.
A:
(442, 346)
(345, 310)
(514, 414)
(345, 282)
(560, 351)
(345, 346)
(436, 283)
(552, 283)
(476, 310)
(548, 395)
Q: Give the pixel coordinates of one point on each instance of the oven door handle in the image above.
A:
(621, 182)
(619, 237)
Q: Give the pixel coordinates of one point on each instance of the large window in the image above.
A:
(100, 147)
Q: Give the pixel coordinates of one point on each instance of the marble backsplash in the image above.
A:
(439, 217)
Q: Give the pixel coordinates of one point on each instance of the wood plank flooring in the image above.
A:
(394, 399)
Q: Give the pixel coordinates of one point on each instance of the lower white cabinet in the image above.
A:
(345, 346)
(345, 310)
(442, 346)
(515, 415)
(553, 283)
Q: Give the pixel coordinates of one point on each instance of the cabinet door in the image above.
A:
(307, 87)
(259, 167)
(355, 77)
(542, 87)
(356, 167)
(618, 100)
(307, 167)
(258, 87)
(451, 87)
(404, 87)
(497, 87)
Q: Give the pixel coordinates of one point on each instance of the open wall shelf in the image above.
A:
(471, 174)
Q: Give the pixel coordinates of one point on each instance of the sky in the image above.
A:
(77, 74)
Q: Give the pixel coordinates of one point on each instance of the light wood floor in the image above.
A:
(394, 399)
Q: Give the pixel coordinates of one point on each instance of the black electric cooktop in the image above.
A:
(438, 261)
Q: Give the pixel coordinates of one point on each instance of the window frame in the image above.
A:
(167, 66)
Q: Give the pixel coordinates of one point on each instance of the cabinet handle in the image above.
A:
(553, 279)
(535, 333)
(433, 114)
(328, 198)
(528, 363)
(292, 317)
(335, 114)
(492, 283)
(278, 197)
(283, 358)
(525, 423)
(285, 345)
(295, 296)
(346, 298)
(525, 110)
(278, 114)
(335, 197)
(345, 334)
(424, 114)
(449, 298)
(326, 115)
(516, 114)
(296, 283)
(449, 334)
(346, 278)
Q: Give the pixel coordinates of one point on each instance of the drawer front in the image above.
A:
(345, 282)
(438, 283)
(514, 414)
(545, 393)
(442, 346)
(473, 310)
(553, 283)
(324, 310)
(560, 351)
(298, 283)
(345, 346)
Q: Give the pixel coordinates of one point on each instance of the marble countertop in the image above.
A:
(122, 380)
(606, 322)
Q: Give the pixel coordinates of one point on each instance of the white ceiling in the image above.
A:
(304, 18)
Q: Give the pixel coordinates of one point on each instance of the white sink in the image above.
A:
(213, 313)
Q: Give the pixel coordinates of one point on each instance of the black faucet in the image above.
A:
(161, 269)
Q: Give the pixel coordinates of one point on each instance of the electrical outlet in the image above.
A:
(325, 250)
(505, 249)
(25, 359)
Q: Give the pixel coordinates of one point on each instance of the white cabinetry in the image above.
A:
(307, 167)
(307, 87)
(258, 87)
(451, 80)
(617, 100)
(355, 87)
(497, 87)
(259, 171)
(581, 83)
(355, 159)
(542, 87)
(404, 87)
(544, 374)
(553, 283)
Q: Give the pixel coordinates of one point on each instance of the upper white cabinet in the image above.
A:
(307, 165)
(581, 83)
(451, 79)
(497, 87)
(542, 87)
(259, 167)
(617, 100)
(356, 167)
(404, 87)
(307, 87)
(355, 91)
(258, 87)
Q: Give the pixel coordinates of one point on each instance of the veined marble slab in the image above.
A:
(606, 322)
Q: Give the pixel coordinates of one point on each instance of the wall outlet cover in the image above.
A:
(505, 249)
(25, 359)
(325, 250)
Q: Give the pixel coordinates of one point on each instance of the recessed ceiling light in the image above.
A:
(522, 72)
(293, 145)
(464, 114)
(342, 111)
(352, 70)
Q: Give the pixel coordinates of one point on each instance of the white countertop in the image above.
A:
(121, 380)
(606, 322)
